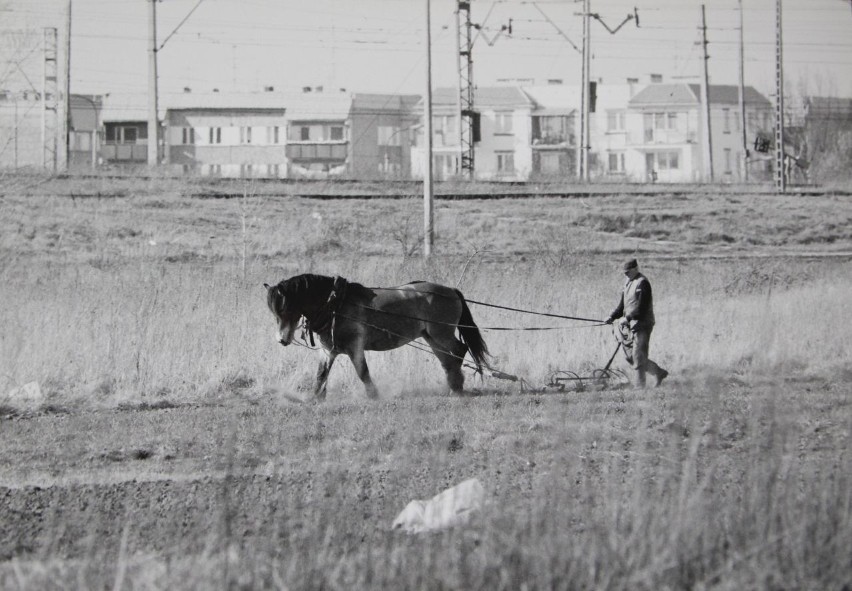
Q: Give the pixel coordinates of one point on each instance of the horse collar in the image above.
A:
(323, 319)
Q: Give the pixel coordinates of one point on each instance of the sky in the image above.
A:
(380, 46)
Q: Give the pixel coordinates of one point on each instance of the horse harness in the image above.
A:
(325, 318)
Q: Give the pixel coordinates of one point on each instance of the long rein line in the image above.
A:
(506, 328)
(486, 304)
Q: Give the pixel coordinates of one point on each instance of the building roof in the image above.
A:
(690, 94)
(304, 106)
(554, 99)
(830, 107)
(194, 101)
(484, 97)
(665, 94)
(384, 102)
(126, 107)
(319, 106)
(729, 94)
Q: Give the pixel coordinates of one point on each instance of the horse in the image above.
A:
(349, 319)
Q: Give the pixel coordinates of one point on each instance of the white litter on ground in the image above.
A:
(27, 396)
(450, 508)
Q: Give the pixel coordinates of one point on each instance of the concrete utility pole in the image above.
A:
(428, 211)
(66, 121)
(586, 91)
(583, 160)
(780, 173)
(153, 118)
(744, 155)
(705, 98)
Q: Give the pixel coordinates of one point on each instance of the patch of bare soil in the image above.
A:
(162, 516)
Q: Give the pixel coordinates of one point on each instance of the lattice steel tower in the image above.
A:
(50, 115)
(465, 105)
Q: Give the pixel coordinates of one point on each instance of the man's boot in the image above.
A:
(640, 378)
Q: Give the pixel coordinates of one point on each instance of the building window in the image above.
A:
(245, 135)
(272, 135)
(615, 121)
(80, 140)
(551, 130)
(672, 119)
(503, 123)
(215, 169)
(445, 165)
(388, 135)
(188, 135)
(444, 124)
(728, 161)
(663, 160)
(336, 133)
(245, 170)
(505, 162)
(668, 160)
(305, 133)
(726, 120)
(616, 162)
(673, 160)
(215, 135)
(123, 134)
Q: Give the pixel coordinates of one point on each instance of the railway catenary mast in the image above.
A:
(465, 104)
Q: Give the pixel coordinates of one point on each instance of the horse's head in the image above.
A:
(284, 311)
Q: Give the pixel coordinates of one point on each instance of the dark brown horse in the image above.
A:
(349, 318)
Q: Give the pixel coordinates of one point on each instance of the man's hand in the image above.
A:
(609, 320)
(624, 321)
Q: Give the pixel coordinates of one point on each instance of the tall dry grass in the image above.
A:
(186, 331)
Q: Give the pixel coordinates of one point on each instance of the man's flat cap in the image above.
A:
(631, 264)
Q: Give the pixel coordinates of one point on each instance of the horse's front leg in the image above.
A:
(322, 374)
(360, 363)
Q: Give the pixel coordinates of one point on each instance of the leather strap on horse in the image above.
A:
(324, 318)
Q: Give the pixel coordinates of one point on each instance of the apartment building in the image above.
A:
(226, 134)
(504, 151)
(664, 127)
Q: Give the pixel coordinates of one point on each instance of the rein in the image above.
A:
(505, 328)
(533, 312)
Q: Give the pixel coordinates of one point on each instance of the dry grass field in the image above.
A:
(176, 446)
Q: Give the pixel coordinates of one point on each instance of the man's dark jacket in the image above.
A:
(636, 304)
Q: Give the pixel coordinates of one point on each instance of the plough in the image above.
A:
(567, 380)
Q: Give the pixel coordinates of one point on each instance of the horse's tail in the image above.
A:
(471, 336)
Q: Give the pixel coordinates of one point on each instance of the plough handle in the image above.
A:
(504, 376)
(612, 357)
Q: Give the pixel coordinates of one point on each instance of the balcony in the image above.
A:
(316, 152)
(662, 137)
(553, 141)
(112, 152)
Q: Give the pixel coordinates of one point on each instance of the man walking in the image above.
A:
(636, 311)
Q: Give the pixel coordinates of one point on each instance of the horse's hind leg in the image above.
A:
(450, 352)
(322, 374)
(360, 363)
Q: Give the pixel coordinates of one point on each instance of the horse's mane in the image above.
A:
(309, 286)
